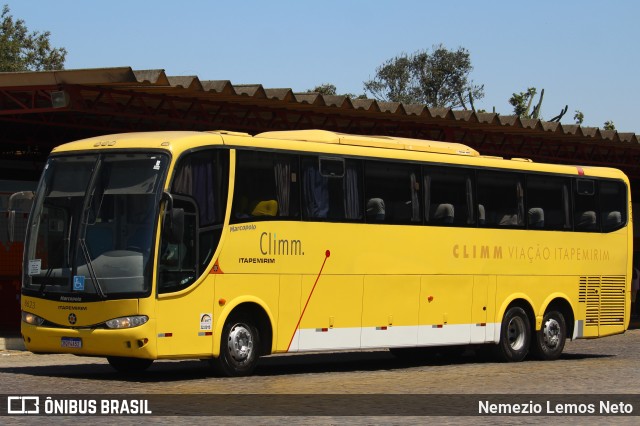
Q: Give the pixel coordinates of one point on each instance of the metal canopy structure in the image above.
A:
(39, 110)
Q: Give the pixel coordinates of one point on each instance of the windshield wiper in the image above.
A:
(45, 280)
(94, 278)
(82, 226)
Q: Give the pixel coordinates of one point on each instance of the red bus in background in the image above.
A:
(11, 255)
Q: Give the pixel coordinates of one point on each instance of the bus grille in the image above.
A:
(604, 297)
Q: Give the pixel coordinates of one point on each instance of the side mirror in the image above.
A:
(11, 225)
(173, 226)
(175, 230)
(15, 200)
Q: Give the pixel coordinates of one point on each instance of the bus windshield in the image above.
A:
(91, 230)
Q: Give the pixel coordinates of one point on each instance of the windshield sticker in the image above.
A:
(157, 166)
(35, 266)
(205, 321)
(78, 283)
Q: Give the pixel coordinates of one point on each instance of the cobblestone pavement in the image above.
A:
(601, 366)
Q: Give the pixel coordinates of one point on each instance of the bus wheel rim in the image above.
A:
(516, 333)
(551, 333)
(240, 343)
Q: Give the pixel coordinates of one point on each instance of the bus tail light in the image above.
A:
(127, 322)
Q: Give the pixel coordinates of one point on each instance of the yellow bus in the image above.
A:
(226, 246)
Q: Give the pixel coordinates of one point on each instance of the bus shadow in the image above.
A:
(578, 356)
(374, 361)
(276, 365)
(158, 372)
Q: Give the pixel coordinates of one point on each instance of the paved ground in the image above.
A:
(602, 366)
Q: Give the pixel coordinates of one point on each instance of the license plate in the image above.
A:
(71, 342)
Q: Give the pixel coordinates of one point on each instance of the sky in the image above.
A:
(584, 54)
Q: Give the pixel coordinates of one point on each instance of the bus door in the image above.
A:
(191, 230)
(184, 311)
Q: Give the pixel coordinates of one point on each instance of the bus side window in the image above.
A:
(392, 191)
(548, 202)
(613, 201)
(315, 190)
(331, 189)
(585, 206)
(502, 197)
(266, 187)
(448, 196)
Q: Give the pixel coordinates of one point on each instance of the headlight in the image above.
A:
(31, 318)
(127, 322)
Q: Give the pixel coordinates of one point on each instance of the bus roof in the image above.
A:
(327, 142)
(324, 136)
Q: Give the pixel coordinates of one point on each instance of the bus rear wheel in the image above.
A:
(515, 335)
(238, 348)
(550, 340)
(129, 365)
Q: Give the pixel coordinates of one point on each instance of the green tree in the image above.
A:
(437, 79)
(608, 125)
(522, 102)
(324, 89)
(21, 50)
(330, 89)
(579, 117)
(393, 81)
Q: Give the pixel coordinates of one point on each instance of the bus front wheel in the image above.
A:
(515, 335)
(129, 365)
(550, 340)
(238, 348)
